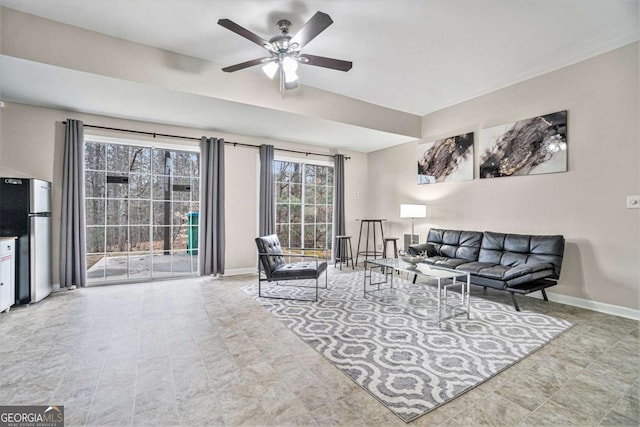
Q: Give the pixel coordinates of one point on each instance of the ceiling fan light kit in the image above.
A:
(285, 50)
(270, 69)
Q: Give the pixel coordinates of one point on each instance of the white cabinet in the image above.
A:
(7, 273)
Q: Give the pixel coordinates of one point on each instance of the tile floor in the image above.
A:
(202, 352)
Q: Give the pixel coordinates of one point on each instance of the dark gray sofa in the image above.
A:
(516, 263)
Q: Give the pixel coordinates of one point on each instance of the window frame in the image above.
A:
(303, 162)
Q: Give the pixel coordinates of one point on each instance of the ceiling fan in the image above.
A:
(285, 50)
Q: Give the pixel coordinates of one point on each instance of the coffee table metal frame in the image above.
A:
(446, 278)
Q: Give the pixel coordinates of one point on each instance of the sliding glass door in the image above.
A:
(142, 211)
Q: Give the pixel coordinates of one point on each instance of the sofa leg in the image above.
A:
(415, 276)
(515, 303)
(544, 295)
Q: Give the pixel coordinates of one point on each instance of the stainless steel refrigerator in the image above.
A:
(25, 213)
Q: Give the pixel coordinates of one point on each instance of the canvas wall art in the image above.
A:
(527, 147)
(446, 160)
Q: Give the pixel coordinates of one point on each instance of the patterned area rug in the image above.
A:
(409, 364)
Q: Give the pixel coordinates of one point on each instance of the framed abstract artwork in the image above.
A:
(446, 160)
(526, 147)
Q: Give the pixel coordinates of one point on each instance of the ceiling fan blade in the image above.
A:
(241, 31)
(243, 65)
(314, 26)
(321, 61)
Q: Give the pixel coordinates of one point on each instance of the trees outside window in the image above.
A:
(141, 211)
(304, 204)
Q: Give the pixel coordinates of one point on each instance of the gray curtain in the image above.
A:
(267, 210)
(73, 265)
(339, 226)
(211, 218)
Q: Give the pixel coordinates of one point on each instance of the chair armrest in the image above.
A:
(288, 255)
(303, 250)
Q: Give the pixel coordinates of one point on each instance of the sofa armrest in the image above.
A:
(422, 248)
(524, 269)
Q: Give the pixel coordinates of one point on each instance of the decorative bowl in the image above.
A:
(412, 259)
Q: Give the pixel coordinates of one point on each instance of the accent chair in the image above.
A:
(272, 267)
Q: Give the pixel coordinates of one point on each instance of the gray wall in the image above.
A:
(585, 204)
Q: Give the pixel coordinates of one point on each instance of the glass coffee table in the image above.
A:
(437, 308)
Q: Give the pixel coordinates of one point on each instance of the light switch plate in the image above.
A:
(633, 202)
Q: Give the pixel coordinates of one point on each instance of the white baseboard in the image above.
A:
(601, 307)
(241, 271)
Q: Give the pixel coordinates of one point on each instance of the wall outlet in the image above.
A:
(633, 202)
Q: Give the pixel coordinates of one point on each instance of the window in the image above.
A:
(141, 211)
(304, 204)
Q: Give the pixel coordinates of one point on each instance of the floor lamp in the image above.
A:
(413, 212)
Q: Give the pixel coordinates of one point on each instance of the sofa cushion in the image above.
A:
(495, 271)
(505, 273)
(474, 267)
(464, 245)
(445, 262)
(514, 250)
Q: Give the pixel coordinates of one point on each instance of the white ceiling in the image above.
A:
(415, 56)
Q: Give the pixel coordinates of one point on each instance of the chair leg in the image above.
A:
(381, 235)
(353, 267)
(415, 276)
(359, 239)
(366, 246)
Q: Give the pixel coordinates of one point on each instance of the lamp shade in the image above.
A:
(413, 211)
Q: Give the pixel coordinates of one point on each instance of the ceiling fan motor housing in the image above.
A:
(284, 25)
(281, 43)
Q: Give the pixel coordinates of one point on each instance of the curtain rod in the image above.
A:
(154, 134)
